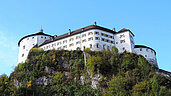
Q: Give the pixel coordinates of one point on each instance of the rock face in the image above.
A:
(95, 80)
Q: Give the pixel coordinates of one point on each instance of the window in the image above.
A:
(96, 33)
(71, 39)
(45, 37)
(90, 45)
(102, 39)
(65, 41)
(24, 47)
(90, 38)
(145, 55)
(27, 38)
(116, 42)
(106, 35)
(84, 35)
(84, 40)
(102, 34)
(65, 46)
(123, 48)
(97, 45)
(111, 36)
(97, 38)
(78, 42)
(32, 37)
(107, 40)
(84, 47)
(90, 33)
(53, 44)
(122, 36)
(147, 50)
(22, 55)
(78, 48)
(59, 48)
(71, 44)
(122, 41)
(41, 36)
(140, 49)
(77, 37)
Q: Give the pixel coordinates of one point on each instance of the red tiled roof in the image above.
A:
(123, 30)
(78, 31)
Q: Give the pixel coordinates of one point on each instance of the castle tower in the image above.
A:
(28, 42)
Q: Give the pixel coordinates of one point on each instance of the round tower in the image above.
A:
(28, 42)
(147, 52)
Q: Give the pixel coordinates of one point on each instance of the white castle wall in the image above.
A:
(148, 54)
(95, 39)
(124, 41)
(27, 43)
(98, 43)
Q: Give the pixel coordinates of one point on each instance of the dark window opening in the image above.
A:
(97, 45)
(90, 45)
(22, 55)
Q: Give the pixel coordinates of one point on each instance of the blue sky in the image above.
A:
(149, 20)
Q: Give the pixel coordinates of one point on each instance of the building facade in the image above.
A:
(95, 37)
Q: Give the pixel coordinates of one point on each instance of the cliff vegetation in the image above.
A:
(88, 73)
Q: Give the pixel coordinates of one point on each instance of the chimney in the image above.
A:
(55, 36)
(95, 23)
(113, 29)
(69, 32)
(52, 38)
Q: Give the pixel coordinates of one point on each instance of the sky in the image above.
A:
(149, 20)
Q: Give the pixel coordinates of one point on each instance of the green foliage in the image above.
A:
(117, 86)
(125, 74)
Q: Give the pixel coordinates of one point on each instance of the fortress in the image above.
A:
(95, 37)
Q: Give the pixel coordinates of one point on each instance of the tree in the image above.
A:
(117, 86)
(141, 88)
(114, 51)
(4, 85)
